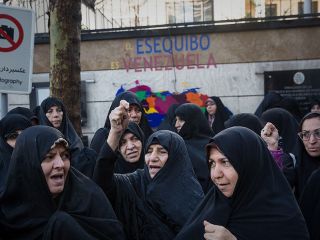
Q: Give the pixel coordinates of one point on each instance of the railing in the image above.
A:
(126, 15)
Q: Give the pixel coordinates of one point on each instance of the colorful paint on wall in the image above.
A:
(156, 104)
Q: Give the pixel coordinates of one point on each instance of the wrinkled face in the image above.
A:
(130, 147)
(315, 108)
(12, 138)
(311, 128)
(55, 116)
(55, 167)
(155, 158)
(179, 123)
(222, 173)
(134, 114)
(211, 107)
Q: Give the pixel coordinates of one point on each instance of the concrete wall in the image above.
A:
(240, 58)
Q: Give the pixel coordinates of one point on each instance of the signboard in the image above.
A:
(16, 49)
(302, 85)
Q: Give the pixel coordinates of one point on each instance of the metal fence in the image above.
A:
(128, 14)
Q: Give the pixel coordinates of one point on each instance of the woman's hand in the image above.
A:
(270, 135)
(217, 232)
(119, 121)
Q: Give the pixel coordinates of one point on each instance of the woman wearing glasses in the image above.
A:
(308, 172)
(308, 150)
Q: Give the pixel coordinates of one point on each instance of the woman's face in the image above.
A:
(55, 116)
(315, 108)
(311, 136)
(12, 138)
(155, 158)
(135, 114)
(222, 173)
(179, 123)
(55, 167)
(130, 147)
(211, 107)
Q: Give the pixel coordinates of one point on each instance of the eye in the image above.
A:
(122, 142)
(212, 163)
(65, 156)
(135, 138)
(226, 163)
(317, 133)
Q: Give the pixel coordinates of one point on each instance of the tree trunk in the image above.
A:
(65, 29)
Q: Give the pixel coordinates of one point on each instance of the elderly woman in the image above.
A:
(154, 202)
(251, 198)
(45, 198)
(135, 113)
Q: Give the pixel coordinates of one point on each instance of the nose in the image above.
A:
(130, 145)
(58, 162)
(177, 124)
(313, 138)
(216, 172)
(153, 156)
(133, 113)
(55, 113)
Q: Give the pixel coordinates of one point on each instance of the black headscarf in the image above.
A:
(196, 133)
(83, 158)
(269, 101)
(25, 112)
(305, 163)
(101, 134)
(292, 106)
(66, 126)
(262, 205)
(169, 120)
(247, 120)
(9, 124)
(286, 124)
(221, 115)
(121, 165)
(310, 205)
(27, 206)
(158, 207)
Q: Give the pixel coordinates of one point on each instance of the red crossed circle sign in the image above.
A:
(14, 45)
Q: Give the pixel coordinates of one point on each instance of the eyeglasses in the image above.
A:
(305, 135)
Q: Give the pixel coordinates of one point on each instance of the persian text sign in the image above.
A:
(16, 49)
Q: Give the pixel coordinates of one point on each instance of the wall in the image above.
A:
(237, 61)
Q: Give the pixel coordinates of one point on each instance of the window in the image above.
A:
(314, 7)
(189, 11)
(271, 10)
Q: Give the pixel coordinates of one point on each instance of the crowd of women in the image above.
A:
(200, 175)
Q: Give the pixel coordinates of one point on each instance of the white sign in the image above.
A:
(16, 49)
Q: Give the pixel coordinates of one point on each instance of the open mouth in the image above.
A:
(57, 178)
(154, 169)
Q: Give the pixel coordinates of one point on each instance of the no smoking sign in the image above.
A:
(11, 33)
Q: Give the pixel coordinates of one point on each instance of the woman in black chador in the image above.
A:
(154, 202)
(251, 200)
(135, 112)
(192, 126)
(130, 155)
(10, 128)
(45, 198)
(54, 114)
